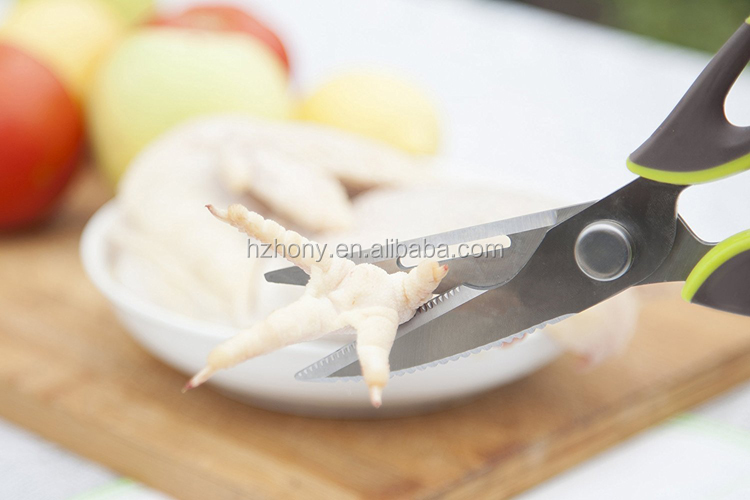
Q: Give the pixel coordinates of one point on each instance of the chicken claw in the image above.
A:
(340, 294)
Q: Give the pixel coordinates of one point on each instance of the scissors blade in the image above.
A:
(687, 250)
(426, 313)
(469, 328)
(463, 269)
(550, 287)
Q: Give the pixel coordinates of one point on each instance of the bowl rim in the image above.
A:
(93, 254)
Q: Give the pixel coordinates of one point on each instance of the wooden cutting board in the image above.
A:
(69, 372)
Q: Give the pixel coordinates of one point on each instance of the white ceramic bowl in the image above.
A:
(268, 381)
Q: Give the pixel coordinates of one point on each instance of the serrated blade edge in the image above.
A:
(425, 313)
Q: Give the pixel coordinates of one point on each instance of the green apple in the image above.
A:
(131, 12)
(226, 18)
(160, 77)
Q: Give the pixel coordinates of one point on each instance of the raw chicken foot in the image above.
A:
(339, 294)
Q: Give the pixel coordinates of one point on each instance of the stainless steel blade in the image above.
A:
(550, 286)
(427, 312)
(687, 250)
(474, 270)
(346, 364)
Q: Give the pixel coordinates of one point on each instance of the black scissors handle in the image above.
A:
(696, 143)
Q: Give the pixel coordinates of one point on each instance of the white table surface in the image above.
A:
(540, 100)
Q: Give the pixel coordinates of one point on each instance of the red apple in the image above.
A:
(41, 131)
(226, 18)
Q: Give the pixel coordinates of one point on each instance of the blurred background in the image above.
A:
(692, 23)
(538, 100)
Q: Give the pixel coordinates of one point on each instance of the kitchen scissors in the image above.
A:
(564, 261)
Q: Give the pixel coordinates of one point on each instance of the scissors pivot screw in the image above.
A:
(604, 250)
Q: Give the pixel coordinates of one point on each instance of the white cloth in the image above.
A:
(699, 455)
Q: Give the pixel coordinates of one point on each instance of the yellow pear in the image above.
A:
(68, 36)
(378, 105)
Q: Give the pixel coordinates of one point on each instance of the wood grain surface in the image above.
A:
(72, 374)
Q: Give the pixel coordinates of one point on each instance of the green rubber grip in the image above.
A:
(696, 143)
(721, 279)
